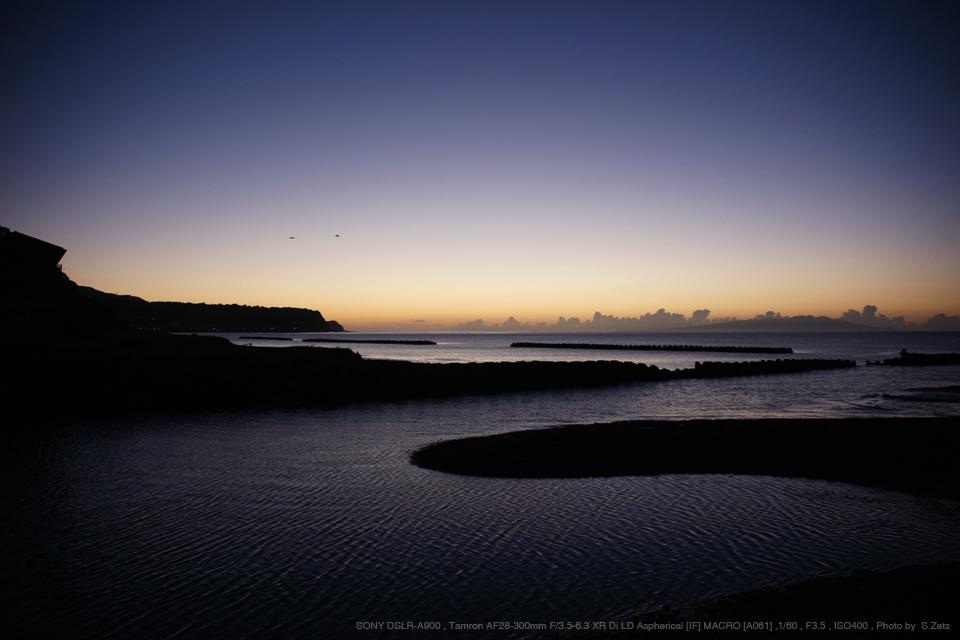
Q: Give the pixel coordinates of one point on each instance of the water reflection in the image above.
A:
(305, 523)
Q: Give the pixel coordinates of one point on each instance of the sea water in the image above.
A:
(315, 524)
(496, 346)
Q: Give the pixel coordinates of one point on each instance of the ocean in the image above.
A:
(313, 523)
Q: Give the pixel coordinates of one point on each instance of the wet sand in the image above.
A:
(913, 455)
(917, 456)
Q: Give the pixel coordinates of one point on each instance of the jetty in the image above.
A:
(761, 367)
(359, 341)
(648, 347)
(908, 359)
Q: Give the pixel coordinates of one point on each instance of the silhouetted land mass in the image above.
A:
(275, 338)
(648, 347)
(144, 372)
(914, 455)
(360, 341)
(761, 367)
(38, 301)
(906, 359)
(187, 317)
(794, 323)
(72, 355)
(68, 355)
(915, 594)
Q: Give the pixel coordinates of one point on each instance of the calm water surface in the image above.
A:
(495, 347)
(304, 524)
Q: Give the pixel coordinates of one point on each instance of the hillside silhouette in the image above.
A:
(188, 317)
(74, 355)
(39, 302)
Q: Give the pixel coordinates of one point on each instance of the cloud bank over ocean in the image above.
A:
(663, 320)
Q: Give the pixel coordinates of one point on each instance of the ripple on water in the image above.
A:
(299, 523)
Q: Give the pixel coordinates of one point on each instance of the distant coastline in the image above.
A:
(76, 351)
(187, 317)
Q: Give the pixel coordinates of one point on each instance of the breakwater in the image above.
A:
(761, 367)
(358, 341)
(648, 347)
(152, 373)
(907, 359)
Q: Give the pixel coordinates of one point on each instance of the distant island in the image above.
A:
(187, 317)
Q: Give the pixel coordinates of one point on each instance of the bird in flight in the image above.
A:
(291, 237)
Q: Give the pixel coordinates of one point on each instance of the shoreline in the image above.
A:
(911, 455)
(142, 372)
(861, 602)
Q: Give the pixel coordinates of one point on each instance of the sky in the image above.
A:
(422, 164)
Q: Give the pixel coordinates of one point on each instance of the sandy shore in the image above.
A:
(914, 455)
(918, 456)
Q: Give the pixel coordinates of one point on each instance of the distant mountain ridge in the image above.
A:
(188, 317)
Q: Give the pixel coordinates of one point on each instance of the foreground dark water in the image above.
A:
(314, 523)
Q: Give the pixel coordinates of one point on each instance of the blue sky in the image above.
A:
(489, 159)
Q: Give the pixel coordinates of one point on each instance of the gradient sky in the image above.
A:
(489, 159)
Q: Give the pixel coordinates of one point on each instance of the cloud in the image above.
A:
(699, 316)
(659, 321)
(869, 317)
(511, 324)
(942, 322)
(664, 320)
(769, 315)
(474, 325)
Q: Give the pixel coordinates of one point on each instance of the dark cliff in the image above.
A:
(39, 301)
(187, 317)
